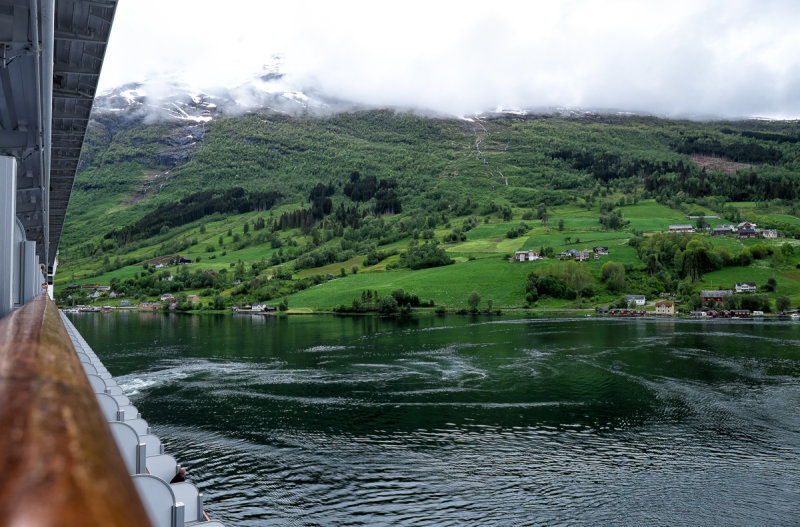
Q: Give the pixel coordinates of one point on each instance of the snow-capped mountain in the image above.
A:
(268, 90)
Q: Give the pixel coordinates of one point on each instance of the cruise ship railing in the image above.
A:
(59, 464)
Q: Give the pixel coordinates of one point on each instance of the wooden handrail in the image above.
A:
(59, 464)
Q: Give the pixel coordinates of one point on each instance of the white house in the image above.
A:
(769, 233)
(637, 300)
(746, 287)
(526, 256)
(166, 297)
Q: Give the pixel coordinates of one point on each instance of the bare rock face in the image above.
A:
(181, 144)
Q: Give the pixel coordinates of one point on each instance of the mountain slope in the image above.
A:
(389, 176)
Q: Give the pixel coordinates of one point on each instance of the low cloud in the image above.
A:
(681, 58)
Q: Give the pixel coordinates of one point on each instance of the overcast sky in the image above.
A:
(727, 58)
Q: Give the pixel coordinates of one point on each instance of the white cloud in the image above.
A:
(714, 57)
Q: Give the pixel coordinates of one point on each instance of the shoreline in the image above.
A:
(543, 313)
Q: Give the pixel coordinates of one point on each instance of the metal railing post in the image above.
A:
(31, 272)
(8, 219)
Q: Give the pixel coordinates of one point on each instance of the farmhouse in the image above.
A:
(717, 295)
(637, 300)
(769, 233)
(526, 256)
(602, 251)
(193, 299)
(582, 256)
(745, 287)
(722, 230)
(665, 308)
(684, 227)
(747, 232)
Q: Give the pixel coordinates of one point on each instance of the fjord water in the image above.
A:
(321, 420)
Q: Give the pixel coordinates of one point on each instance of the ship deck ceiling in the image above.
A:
(81, 32)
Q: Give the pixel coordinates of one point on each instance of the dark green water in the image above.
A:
(332, 421)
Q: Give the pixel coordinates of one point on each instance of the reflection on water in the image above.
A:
(469, 421)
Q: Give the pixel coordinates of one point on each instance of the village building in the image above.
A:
(193, 299)
(769, 233)
(722, 230)
(526, 256)
(717, 295)
(602, 251)
(745, 287)
(683, 227)
(636, 300)
(747, 232)
(665, 308)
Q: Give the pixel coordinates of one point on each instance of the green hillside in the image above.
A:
(318, 210)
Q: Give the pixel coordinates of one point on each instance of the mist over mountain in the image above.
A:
(269, 90)
(173, 99)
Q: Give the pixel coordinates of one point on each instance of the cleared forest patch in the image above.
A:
(718, 164)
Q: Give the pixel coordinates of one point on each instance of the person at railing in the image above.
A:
(180, 476)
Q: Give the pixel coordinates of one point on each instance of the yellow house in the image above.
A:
(665, 308)
(193, 299)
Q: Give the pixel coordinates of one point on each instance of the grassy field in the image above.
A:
(648, 216)
(785, 218)
(499, 280)
(482, 266)
(788, 280)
